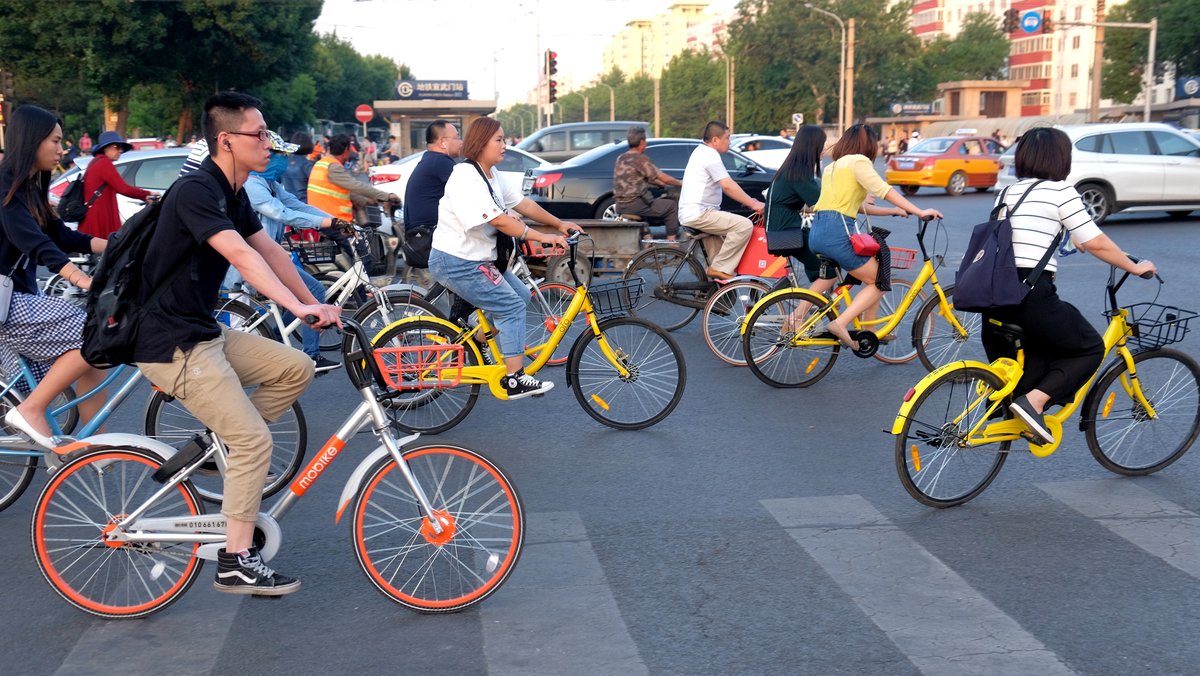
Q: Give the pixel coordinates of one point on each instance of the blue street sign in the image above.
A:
(1031, 22)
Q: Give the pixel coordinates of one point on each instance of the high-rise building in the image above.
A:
(648, 45)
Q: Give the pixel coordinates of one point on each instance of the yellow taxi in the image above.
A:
(951, 162)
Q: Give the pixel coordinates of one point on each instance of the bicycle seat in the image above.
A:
(692, 233)
(1012, 332)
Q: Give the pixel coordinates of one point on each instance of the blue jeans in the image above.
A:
(504, 303)
(829, 238)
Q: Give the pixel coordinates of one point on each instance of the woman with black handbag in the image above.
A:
(845, 184)
(473, 224)
(46, 331)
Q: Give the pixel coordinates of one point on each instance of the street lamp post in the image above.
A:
(612, 103)
(841, 67)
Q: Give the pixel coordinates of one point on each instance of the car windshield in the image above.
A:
(932, 146)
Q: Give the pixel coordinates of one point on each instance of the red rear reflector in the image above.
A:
(909, 394)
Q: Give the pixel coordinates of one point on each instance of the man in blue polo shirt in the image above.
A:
(443, 146)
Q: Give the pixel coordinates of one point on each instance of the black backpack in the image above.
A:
(71, 207)
(114, 311)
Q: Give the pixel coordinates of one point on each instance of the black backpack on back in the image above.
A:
(71, 207)
(114, 311)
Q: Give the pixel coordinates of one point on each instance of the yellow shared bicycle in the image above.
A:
(1139, 414)
(625, 372)
(786, 344)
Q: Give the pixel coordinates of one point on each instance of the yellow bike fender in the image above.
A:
(772, 296)
(911, 396)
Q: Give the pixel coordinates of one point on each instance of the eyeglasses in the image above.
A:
(262, 134)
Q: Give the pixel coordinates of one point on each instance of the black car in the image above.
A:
(582, 187)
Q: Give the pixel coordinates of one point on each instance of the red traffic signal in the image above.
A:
(553, 91)
(1012, 21)
(551, 62)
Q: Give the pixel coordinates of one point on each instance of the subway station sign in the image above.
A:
(431, 89)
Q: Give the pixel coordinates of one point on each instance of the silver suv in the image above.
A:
(1132, 166)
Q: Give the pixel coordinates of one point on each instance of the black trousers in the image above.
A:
(661, 208)
(1062, 348)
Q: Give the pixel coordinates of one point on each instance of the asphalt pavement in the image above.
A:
(755, 531)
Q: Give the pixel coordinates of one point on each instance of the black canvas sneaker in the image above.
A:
(323, 365)
(1032, 419)
(520, 385)
(245, 573)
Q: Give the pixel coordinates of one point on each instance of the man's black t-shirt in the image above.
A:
(193, 211)
(425, 189)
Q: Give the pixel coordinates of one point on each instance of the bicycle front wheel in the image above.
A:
(239, 316)
(777, 342)
(112, 579)
(654, 380)
(725, 315)
(541, 319)
(935, 464)
(1120, 432)
(434, 409)
(483, 529)
(897, 348)
(938, 343)
(16, 471)
(375, 317)
(674, 289)
(170, 422)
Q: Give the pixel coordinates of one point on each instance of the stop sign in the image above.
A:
(364, 113)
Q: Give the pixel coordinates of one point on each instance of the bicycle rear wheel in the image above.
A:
(1120, 432)
(769, 343)
(900, 349)
(171, 423)
(112, 580)
(16, 471)
(938, 343)
(725, 315)
(541, 320)
(935, 465)
(430, 410)
(654, 384)
(479, 510)
(668, 276)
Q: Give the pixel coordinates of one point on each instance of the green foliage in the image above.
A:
(978, 52)
(692, 92)
(345, 79)
(1125, 50)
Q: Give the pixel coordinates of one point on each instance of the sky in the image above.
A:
(493, 44)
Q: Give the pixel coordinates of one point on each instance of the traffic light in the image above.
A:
(551, 62)
(1047, 26)
(553, 91)
(1012, 21)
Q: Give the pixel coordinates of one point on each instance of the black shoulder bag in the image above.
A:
(505, 244)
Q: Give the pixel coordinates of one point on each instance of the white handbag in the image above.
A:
(6, 289)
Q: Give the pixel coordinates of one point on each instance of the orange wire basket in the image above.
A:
(421, 367)
(903, 259)
(543, 250)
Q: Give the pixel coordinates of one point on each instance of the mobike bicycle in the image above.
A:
(627, 373)
(120, 532)
(164, 419)
(1139, 414)
(785, 341)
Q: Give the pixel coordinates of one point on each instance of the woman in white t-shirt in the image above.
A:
(1062, 348)
(463, 249)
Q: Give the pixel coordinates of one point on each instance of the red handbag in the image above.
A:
(862, 243)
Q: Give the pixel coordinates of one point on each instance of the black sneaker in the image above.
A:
(1032, 419)
(324, 365)
(485, 353)
(245, 573)
(520, 385)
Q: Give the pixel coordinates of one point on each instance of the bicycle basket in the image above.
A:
(1157, 325)
(615, 298)
(321, 251)
(542, 250)
(421, 367)
(903, 259)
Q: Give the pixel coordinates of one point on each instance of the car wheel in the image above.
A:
(957, 183)
(909, 189)
(1097, 200)
(983, 188)
(607, 209)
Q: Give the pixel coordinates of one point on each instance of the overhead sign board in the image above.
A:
(909, 108)
(431, 89)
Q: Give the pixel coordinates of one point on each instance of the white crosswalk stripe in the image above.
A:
(941, 623)
(1157, 525)
(557, 614)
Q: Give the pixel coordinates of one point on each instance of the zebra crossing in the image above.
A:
(559, 614)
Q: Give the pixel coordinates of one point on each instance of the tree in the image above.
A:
(1125, 49)
(346, 79)
(692, 92)
(978, 52)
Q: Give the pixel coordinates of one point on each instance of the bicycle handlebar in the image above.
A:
(354, 366)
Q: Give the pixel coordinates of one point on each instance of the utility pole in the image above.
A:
(850, 71)
(585, 108)
(1097, 73)
(732, 92)
(657, 131)
(1097, 64)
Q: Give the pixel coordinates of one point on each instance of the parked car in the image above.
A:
(394, 177)
(147, 143)
(582, 187)
(153, 170)
(951, 162)
(561, 142)
(1131, 166)
(768, 152)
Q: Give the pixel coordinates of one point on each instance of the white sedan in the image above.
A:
(393, 177)
(767, 152)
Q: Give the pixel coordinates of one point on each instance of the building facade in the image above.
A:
(648, 45)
